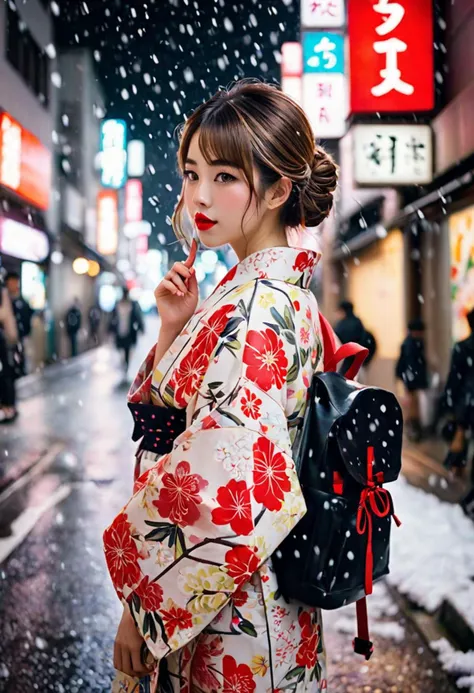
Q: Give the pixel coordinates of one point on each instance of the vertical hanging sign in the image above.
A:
(324, 83)
(322, 14)
(391, 55)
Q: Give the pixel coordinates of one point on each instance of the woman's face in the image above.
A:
(220, 194)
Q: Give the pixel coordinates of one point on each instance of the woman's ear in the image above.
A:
(279, 192)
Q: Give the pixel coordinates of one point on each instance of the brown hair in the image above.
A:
(255, 124)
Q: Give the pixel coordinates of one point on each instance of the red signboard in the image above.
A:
(133, 200)
(391, 55)
(107, 222)
(25, 163)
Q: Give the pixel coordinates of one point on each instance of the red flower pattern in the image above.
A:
(208, 336)
(307, 654)
(187, 377)
(121, 553)
(206, 652)
(235, 509)
(251, 404)
(241, 563)
(240, 598)
(150, 593)
(238, 678)
(176, 617)
(265, 358)
(303, 261)
(269, 475)
(304, 335)
(229, 276)
(179, 497)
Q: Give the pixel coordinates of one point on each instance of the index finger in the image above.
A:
(189, 262)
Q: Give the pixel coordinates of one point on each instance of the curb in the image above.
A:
(447, 621)
(19, 470)
(428, 626)
(456, 625)
(23, 472)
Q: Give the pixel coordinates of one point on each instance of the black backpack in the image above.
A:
(349, 444)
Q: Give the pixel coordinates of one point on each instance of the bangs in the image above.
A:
(222, 136)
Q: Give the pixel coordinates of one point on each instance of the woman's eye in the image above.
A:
(190, 175)
(225, 178)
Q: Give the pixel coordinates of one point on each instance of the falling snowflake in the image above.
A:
(56, 79)
(50, 51)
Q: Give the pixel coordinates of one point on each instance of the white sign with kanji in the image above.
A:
(325, 103)
(322, 14)
(392, 154)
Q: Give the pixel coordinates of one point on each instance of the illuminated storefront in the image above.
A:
(25, 163)
(461, 241)
(376, 287)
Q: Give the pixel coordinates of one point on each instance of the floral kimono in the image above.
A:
(190, 553)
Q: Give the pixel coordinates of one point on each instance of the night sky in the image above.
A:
(158, 59)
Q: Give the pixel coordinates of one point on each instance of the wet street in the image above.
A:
(58, 609)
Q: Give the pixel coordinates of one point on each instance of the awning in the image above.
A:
(359, 242)
(72, 243)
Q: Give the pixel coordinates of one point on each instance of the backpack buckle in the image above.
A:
(363, 647)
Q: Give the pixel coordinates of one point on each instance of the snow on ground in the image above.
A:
(459, 664)
(432, 560)
(432, 553)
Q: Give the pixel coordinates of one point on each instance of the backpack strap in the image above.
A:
(334, 355)
(362, 644)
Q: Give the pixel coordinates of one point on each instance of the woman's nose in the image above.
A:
(202, 195)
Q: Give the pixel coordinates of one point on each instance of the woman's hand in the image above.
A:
(177, 294)
(127, 648)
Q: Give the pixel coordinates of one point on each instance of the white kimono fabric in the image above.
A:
(191, 551)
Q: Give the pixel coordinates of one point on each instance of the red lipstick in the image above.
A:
(203, 223)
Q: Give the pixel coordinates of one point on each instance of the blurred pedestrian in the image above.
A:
(412, 370)
(125, 324)
(23, 314)
(458, 401)
(95, 317)
(350, 328)
(73, 324)
(8, 342)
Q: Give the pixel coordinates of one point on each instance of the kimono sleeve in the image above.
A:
(141, 386)
(215, 508)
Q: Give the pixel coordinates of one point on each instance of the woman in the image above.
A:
(190, 554)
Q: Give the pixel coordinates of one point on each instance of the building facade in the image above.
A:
(28, 111)
(80, 111)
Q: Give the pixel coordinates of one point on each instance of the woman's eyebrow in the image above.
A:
(214, 162)
(222, 162)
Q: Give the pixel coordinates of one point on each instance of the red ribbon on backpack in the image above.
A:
(374, 500)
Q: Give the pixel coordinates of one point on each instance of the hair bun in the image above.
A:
(317, 195)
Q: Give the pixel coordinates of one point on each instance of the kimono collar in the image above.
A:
(292, 265)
